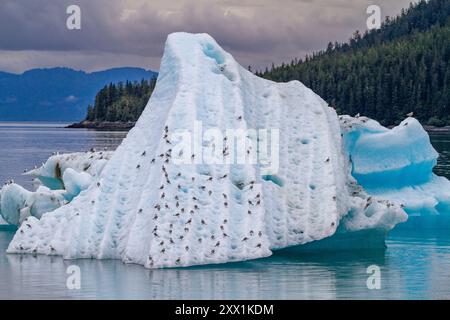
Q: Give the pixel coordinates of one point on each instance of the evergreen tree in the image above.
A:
(386, 73)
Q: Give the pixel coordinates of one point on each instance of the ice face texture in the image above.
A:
(396, 164)
(143, 208)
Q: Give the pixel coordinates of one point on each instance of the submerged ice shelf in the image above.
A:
(145, 208)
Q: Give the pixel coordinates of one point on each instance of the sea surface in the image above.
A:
(415, 265)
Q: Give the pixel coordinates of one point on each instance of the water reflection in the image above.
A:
(308, 276)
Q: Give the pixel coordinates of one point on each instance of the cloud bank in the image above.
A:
(132, 32)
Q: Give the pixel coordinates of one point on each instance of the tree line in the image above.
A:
(383, 74)
(386, 73)
(122, 102)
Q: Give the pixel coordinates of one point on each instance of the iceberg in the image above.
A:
(162, 202)
(397, 165)
(61, 178)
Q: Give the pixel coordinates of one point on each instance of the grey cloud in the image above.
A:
(132, 32)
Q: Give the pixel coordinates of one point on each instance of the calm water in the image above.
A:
(414, 266)
(24, 145)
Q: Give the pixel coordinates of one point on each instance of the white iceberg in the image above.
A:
(51, 173)
(147, 209)
(62, 178)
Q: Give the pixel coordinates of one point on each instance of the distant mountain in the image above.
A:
(57, 94)
(385, 74)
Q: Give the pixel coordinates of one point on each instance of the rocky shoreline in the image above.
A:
(437, 129)
(126, 126)
(103, 125)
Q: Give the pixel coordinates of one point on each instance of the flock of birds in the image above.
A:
(183, 210)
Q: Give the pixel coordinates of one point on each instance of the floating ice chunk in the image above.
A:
(52, 171)
(12, 200)
(396, 164)
(17, 203)
(63, 177)
(143, 208)
(75, 182)
(44, 200)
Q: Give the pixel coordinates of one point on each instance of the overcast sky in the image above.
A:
(132, 32)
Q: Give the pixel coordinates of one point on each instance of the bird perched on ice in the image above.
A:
(411, 114)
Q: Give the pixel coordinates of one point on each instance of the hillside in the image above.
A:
(57, 94)
(386, 73)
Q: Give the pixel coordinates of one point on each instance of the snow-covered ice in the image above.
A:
(144, 208)
(60, 179)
